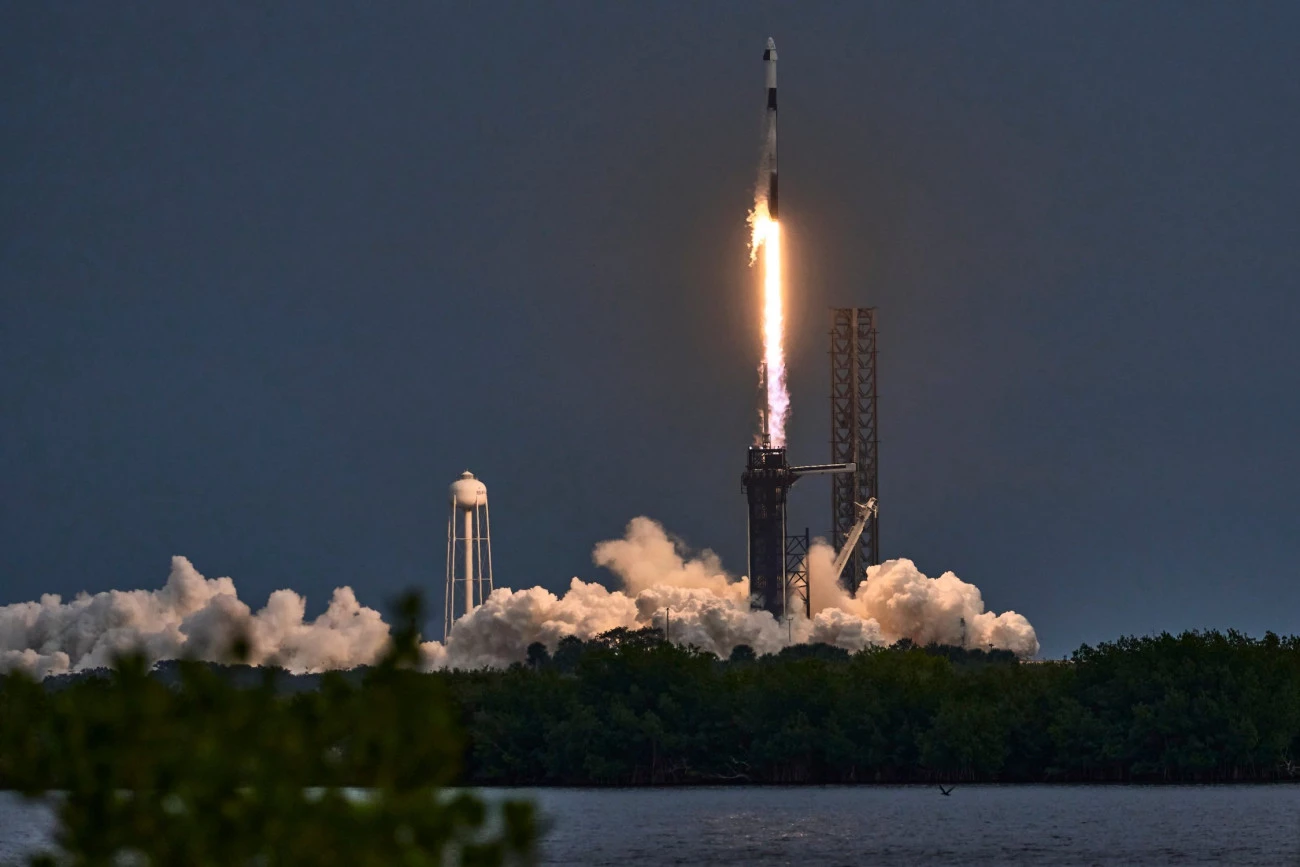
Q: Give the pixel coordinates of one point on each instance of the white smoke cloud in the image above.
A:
(190, 616)
(691, 595)
(661, 585)
(897, 601)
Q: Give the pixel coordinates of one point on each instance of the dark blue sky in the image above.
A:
(271, 275)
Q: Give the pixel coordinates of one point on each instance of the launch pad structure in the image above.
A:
(778, 562)
(778, 572)
(855, 436)
(766, 482)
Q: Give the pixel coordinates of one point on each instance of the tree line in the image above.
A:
(629, 709)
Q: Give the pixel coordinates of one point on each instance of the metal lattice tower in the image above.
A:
(854, 435)
(766, 482)
(798, 594)
(778, 570)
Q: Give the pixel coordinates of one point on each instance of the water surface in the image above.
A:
(885, 825)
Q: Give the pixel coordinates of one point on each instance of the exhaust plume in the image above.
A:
(658, 578)
(903, 603)
(764, 221)
(765, 237)
(711, 610)
(190, 616)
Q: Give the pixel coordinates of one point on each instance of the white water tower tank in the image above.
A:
(469, 549)
(468, 492)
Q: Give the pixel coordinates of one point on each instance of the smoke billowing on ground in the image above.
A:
(193, 616)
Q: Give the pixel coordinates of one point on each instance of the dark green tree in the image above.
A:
(206, 772)
(742, 653)
(538, 656)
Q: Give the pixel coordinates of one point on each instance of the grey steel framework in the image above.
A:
(766, 481)
(854, 435)
(778, 578)
(798, 595)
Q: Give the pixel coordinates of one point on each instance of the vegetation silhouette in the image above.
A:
(209, 766)
(628, 709)
(205, 764)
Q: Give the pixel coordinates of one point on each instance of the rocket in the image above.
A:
(769, 62)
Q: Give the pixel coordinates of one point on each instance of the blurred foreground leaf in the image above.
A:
(209, 773)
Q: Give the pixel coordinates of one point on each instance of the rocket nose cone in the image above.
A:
(771, 43)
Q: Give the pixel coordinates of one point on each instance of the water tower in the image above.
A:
(469, 549)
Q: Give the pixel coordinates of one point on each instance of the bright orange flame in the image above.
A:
(767, 235)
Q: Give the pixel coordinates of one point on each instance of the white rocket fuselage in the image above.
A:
(769, 61)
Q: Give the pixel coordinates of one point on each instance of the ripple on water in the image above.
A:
(887, 826)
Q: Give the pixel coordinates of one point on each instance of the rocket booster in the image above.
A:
(769, 61)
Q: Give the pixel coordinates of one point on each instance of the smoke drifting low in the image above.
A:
(200, 617)
(711, 610)
(190, 616)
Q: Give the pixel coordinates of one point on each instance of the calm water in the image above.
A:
(903, 825)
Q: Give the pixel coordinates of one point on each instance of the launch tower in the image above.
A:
(778, 588)
(766, 482)
(854, 435)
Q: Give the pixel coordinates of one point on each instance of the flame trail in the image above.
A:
(767, 237)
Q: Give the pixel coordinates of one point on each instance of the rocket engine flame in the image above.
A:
(766, 238)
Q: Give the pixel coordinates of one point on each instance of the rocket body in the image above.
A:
(769, 62)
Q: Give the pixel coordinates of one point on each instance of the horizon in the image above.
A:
(274, 277)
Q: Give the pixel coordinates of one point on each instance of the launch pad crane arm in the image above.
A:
(866, 511)
(823, 469)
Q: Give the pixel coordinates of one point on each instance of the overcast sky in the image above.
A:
(272, 275)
